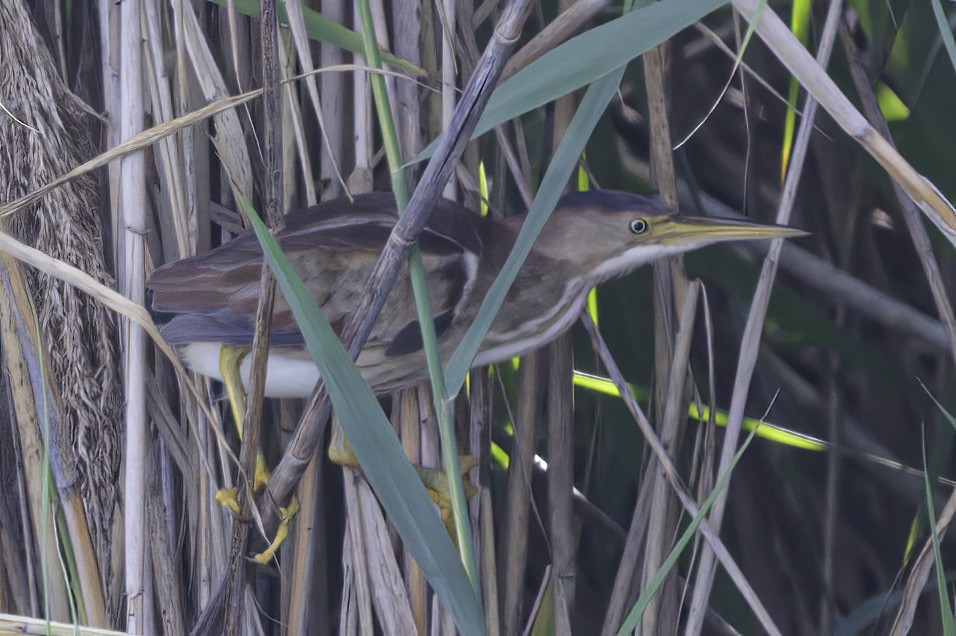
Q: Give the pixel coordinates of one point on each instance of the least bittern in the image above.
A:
(591, 237)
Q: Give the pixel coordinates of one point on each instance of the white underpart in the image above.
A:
(287, 377)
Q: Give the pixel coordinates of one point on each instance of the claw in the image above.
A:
(285, 516)
(226, 497)
(436, 483)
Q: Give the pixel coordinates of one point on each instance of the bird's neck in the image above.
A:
(543, 302)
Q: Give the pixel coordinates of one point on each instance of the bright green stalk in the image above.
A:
(442, 405)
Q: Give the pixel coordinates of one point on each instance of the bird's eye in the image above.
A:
(638, 226)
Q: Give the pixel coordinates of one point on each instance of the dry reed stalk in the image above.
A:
(672, 476)
(750, 341)
(514, 552)
(670, 285)
(814, 79)
(30, 436)
(562, 536)
(131, 276)
(53, 134)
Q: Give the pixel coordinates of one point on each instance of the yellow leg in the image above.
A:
(230, 357)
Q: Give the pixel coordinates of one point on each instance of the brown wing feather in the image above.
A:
(222, 284)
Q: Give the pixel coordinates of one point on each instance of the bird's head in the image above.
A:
(609, 233)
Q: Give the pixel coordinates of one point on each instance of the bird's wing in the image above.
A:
(333, 247)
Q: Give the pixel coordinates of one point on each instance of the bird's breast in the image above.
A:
(536, 318)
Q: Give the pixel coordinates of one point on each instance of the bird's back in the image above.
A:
(333, 247)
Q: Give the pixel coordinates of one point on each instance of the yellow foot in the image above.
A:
(226, 497)
(285, 516)
(434, 479)
(436, 483)
(340, 451)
